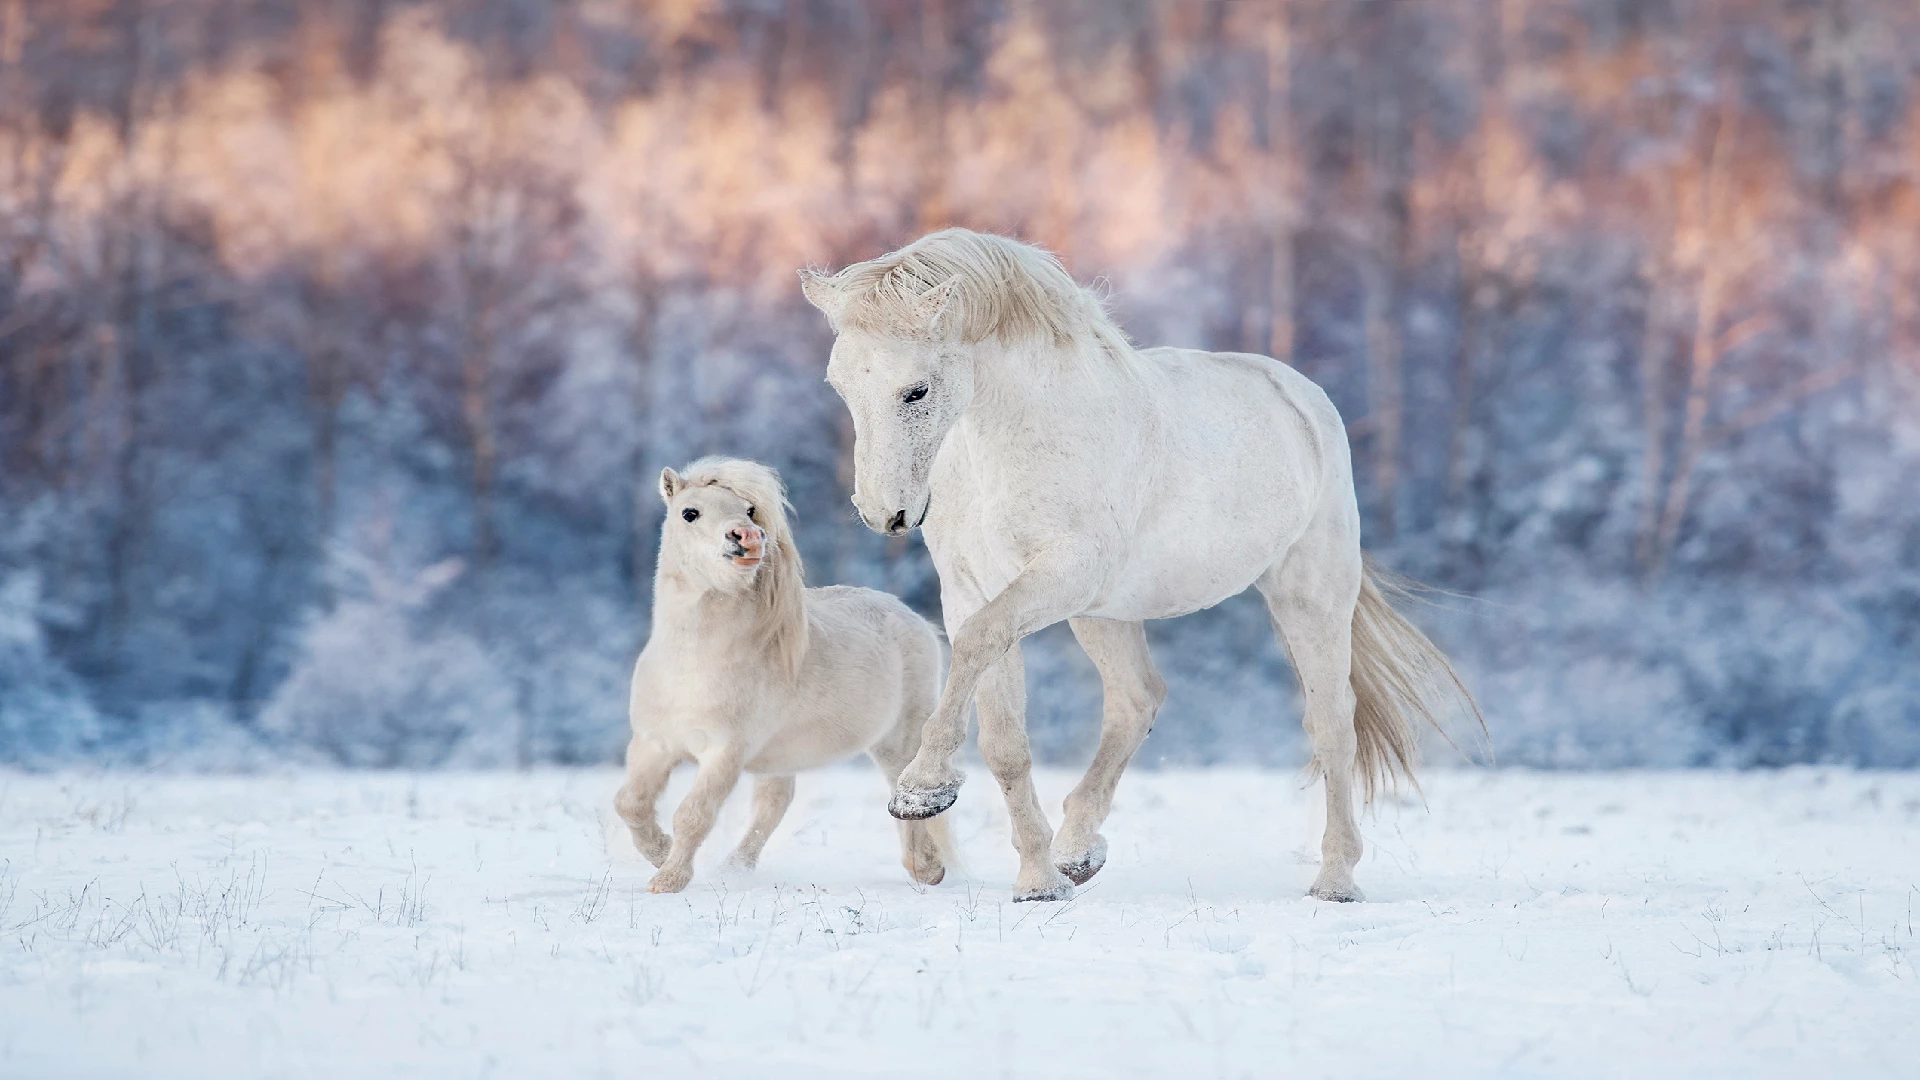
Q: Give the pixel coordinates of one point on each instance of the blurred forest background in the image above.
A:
(341, 342)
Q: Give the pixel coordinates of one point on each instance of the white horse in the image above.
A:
(1059, 473)
(748, 670)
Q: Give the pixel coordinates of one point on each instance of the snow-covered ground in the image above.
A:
(476, 925)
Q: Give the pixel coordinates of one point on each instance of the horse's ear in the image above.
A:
(822, 293)
(933, 309)
(670, 484)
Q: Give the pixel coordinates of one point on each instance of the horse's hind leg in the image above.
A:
(1311, 596)
(648, 766)
(1131, 693)
(771, 797)
(918, 851)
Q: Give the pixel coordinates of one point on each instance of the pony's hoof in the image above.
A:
(669, 881)
(1081, 868)
(915, 804)
(653, 849)
(932, 875)
(1337, 894)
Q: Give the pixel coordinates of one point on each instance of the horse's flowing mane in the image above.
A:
(994, 288)
(781, 587)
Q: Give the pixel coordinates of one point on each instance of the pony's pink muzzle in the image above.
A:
(746, 545)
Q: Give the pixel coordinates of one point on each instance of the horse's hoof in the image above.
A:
(928, 877)
(915, 804)
(1335, 894)
(1050, 893)
(1081, 868)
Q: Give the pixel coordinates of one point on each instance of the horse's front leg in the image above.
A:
(1058, 583)
(1002, 701)
(719, 771)
(1131, 694)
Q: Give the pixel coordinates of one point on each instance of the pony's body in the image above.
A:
(747, 671)
(1061, 474)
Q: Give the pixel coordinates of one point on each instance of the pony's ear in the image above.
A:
(822, 293)
(670, 484)
(933, 309)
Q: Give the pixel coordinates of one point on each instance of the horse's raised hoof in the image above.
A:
(915, 804)
(1347, 895)
(1081, 868)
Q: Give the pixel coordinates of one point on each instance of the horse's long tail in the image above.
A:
(1398, 677)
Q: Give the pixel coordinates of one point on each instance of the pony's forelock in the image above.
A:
(759, 484)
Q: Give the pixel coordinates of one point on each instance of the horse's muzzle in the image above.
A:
(897, 524)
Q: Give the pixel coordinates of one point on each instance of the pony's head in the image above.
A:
(726, 531)
(910, 328)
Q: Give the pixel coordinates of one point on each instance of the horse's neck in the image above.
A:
(1030, 395)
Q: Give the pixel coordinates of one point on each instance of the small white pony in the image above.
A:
(748, 670)
(1062, 474)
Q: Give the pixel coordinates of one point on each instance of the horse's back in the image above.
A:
(1254, 386)
(1249, 453)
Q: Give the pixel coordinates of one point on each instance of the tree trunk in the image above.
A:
(930, 210)
(646, 470)
(476, 409)
(1704, 350)
(1282, 180)
(1653, 413)
(1385, 263)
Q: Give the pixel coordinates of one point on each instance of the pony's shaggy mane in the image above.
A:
(960, 285)
(781, 587)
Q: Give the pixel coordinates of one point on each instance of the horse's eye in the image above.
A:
(914, 394)
(750, 516)
(689, 514)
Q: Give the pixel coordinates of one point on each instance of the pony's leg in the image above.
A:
(771, 797)
(1131, 693)
(919, 853)
(648, 766)
(1056, 584)
(1002, 702)
(1311, 596)
(719, 772)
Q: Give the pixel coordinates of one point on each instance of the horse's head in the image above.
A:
(912, 330)
(906, 379)
(716, 532)
(904, 394)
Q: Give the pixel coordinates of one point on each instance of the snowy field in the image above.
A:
(364, 925)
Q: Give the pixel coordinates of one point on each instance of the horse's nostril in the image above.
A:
(898, 522)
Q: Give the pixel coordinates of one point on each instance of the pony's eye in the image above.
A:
(689, 514)
(914, 394)
(750, 516)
